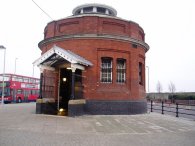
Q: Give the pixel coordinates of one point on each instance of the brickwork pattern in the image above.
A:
(94, 48)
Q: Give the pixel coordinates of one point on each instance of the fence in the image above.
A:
(177, 108)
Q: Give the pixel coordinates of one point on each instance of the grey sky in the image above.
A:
(169, 26)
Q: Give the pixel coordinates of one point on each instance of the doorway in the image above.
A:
(66, 86)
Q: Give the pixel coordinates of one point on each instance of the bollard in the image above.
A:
(177, 110)
(151, 106)
(162, 107)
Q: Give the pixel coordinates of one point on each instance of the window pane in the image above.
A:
(106, 70)
(101, 10)
(121, 70)
(26, 80)
(14, 78)
(88, 9)
(6, 77)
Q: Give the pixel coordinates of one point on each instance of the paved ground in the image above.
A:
(20, 126)
(184, 111)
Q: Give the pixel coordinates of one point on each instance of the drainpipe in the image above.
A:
(58, 89)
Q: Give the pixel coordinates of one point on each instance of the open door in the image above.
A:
(65, 87)
(65, 90)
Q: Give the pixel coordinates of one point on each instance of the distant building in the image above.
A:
(166, 95)
(95, 56)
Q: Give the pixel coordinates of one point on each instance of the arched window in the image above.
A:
(121, 70)
(106, 70)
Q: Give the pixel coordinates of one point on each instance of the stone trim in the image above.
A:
(94, 36)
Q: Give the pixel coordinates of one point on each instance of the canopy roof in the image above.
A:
(57, 56)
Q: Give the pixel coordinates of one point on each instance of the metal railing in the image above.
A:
(177, 108)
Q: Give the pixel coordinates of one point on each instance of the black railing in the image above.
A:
(176, 108)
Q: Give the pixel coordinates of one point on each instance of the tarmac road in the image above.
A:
(20, 126)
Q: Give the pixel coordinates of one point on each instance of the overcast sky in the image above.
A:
(169, 26)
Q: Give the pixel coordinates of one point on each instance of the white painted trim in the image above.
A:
(77, 66)
(71, 57)
(43, 57)
(42, 67)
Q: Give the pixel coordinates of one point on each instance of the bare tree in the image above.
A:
(159, 87)
(172, 89)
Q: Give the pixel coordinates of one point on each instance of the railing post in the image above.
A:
(162, 107)
(177, 110)
(151, 106)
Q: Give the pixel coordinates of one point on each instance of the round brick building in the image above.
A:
(95, 56)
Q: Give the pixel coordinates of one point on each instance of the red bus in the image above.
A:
(19, 88)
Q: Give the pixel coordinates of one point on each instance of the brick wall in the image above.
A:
(94, 24)
(93, 49)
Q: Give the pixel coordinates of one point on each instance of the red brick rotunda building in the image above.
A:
(93, 61)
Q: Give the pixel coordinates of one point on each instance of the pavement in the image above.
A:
(184, 111)
(20, 126)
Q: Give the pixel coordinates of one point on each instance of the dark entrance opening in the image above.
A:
(66, 86)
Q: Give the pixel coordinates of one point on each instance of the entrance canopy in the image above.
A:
(57, 56)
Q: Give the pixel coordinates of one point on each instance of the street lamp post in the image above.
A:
(3, 88)
(33, 71)
(15, 66)
(148, 79)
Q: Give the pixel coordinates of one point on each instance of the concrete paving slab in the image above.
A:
(19, 125)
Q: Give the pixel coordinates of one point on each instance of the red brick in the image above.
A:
(93, 48)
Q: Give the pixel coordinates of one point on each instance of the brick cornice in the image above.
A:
(94, 36)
